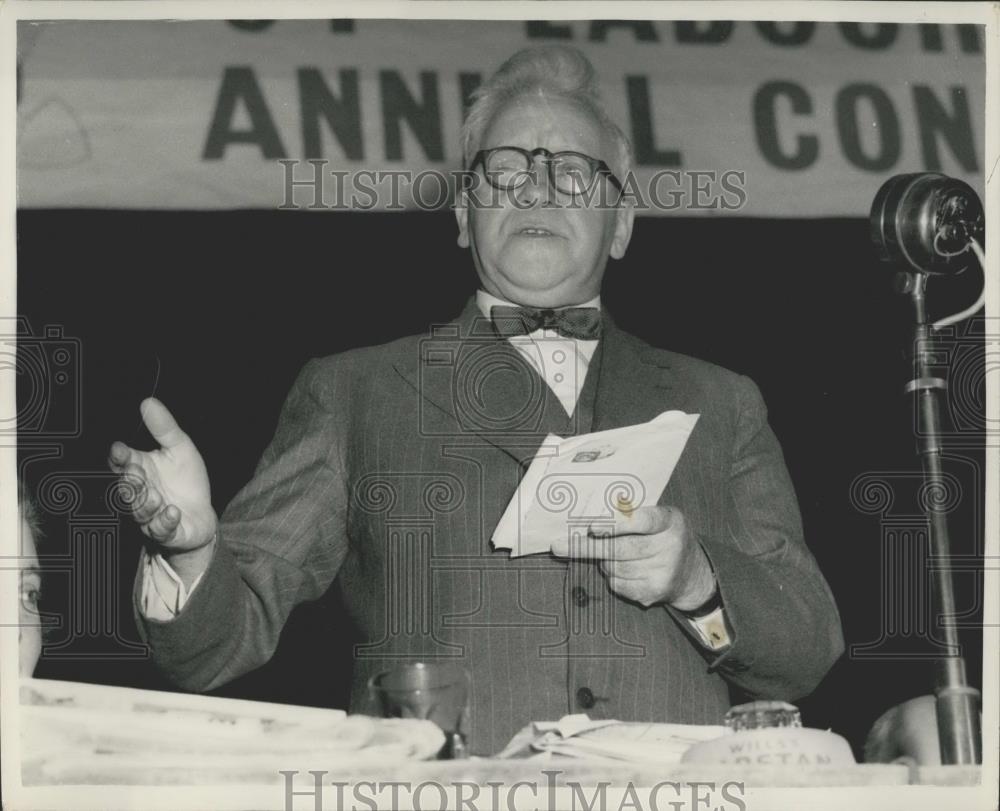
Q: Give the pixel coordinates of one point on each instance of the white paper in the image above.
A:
(78, 729)
(575, 483)
(615, 741)
(578, 736)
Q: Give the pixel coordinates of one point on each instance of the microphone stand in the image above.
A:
(958, 720)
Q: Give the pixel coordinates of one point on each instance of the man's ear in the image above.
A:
(462, 215)
(624, 217)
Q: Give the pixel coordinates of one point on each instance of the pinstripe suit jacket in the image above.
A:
(388, 472)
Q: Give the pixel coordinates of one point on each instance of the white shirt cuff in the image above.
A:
(163, 593)
(712, 629)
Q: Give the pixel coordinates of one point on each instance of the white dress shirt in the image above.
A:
(561, 362)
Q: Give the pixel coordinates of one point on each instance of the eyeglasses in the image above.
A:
(509, 167)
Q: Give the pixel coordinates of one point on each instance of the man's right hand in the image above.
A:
(169, 492)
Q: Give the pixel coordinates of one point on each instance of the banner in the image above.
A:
(726, 118)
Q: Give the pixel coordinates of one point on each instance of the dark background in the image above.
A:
(215, 313)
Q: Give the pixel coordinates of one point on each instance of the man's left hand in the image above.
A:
(649, 556)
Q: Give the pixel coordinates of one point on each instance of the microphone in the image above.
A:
(926, 221)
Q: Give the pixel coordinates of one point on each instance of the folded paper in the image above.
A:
(582, 483)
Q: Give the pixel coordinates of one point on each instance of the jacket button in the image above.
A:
(585, 698)
(580, 596)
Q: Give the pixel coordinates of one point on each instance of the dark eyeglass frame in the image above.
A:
(597, 166)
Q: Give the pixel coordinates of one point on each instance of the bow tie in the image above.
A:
(582, 323)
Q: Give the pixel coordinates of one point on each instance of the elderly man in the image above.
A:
(392, 465)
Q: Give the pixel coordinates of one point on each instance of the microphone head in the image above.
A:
(924, 221)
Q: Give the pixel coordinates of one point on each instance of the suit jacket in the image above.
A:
(391, 466)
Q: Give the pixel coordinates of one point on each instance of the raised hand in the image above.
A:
(167, 488)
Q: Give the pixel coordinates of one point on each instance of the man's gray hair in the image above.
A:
(553, 70)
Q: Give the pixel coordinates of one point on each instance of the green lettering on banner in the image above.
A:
(702, 33)
(968, 38)
(251, 25)
(775, 33)
(766, 125)
(641, 115)
(930, 37)
(956, 129)
(838, 101)
(240, 84)
(886, 126)
(423, 117)
(883, 36)
(342, 114)
(642, 30)
(542, 29)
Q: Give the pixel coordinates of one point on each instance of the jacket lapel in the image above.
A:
(636, 382)
(473, 383)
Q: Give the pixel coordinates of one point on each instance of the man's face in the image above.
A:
(29, 631)
(532, 246)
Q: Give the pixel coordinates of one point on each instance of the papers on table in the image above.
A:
(577, 736)
(73, 732)
(575, 482)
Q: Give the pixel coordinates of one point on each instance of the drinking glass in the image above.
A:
(435, 691)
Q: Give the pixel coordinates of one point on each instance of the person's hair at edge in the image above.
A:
(29, 510)
(559, 71)
(30, 517)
